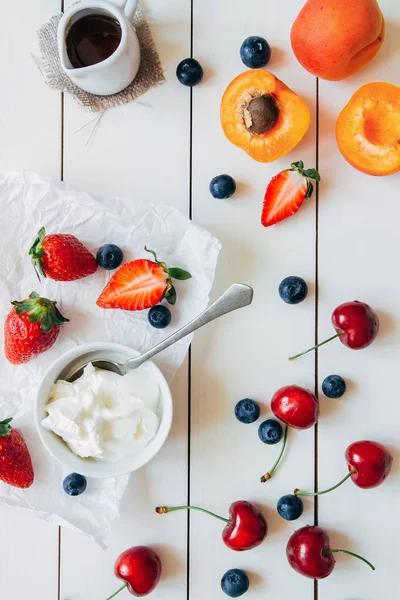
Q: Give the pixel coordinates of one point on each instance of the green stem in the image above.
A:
(317, 346)
(325, 552)
(162, 510)
(301, 493)
(118, 591)
(268, 475)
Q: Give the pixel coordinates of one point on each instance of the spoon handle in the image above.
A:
(237, 296)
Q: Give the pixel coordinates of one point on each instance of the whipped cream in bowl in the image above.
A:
(103, 424)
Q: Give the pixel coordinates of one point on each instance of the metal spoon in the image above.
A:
(237, 296)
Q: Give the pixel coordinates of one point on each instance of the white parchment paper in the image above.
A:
(28, 202)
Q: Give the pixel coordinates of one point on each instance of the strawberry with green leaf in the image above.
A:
(31, 327)
(141, 284)
(61, 256)
(286, 192)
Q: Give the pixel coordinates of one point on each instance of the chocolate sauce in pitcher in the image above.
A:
(92, 39)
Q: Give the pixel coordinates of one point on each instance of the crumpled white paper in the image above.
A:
(28, 202)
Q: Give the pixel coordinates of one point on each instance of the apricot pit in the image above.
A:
(263, 114)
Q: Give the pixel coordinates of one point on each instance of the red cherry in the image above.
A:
(369, 464)
(372, 462)
(309, 553)
(247, 527)
(140, 568)
(356, 325)
(359, 323)
(295, 406)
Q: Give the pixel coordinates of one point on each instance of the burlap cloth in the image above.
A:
(150, 70)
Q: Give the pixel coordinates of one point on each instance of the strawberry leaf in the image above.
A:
(297, 165)
(312, 174)
(58, 318)
(171, 295)
(46, 324)
(180, 274)
(5, 428)
(23, 307)
(34, 317)
(36, 253)
(41, 310)
(310, 189)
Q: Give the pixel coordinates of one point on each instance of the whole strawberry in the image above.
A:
(31, 327)
(61, 257)
(141, 284)
(15, 461)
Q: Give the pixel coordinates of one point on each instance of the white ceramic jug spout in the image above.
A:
(127, 6)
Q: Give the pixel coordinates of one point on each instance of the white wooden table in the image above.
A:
(166, 148)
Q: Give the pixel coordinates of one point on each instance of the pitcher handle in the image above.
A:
(128, 7)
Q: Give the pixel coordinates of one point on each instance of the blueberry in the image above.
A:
(235, 583)
(334, 386)
(222, 187)
(255, 52)
(270, 431)
(247, 411)
(109, 256)
(290, 507)
(293, 290)
(189, 72)
(159, 316)
(74, 484)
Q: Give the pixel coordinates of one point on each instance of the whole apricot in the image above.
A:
(333, 39)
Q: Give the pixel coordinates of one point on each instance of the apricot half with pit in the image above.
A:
(368, 129)
(261, 115)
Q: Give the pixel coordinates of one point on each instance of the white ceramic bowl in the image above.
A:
(88, 466)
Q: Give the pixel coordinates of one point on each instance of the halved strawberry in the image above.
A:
(141, 284)
(286, 192)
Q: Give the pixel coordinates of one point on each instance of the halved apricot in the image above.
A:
(261, 115)
(368, 129)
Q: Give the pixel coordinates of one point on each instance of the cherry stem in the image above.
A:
(325, 552)
(118, 591)
(268, 475)
(317, 346)
(162, 510)
(301, 493)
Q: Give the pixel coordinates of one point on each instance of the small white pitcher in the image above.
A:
(118, 70)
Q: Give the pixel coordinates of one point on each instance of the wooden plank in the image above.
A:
(245, 355)
(358, 259)
(140, 150)
(30, 139)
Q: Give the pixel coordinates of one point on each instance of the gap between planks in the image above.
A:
(189, 424)
(316, 372)
(62, 179)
